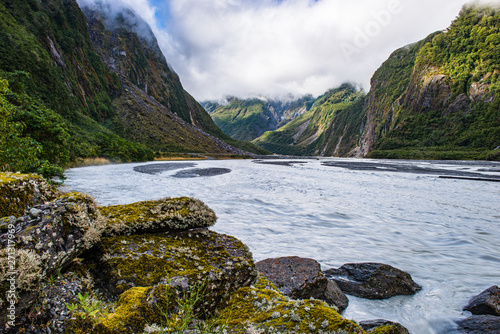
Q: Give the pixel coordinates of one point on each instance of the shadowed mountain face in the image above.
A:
(101, 80)
(154, 108)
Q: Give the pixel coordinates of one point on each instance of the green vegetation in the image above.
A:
(450, 107)
(250, 118)
(334, 117)
(60, 104)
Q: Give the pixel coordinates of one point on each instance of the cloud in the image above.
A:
(281, 47)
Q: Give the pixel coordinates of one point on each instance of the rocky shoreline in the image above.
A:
(155, 267)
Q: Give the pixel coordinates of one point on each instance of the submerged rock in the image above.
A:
(21, 191)
(154, 169)
(262, 308)
(199, 172)
(373, 280)
(487, 302)
(301, 278)
(381, 326)
(479, 324)
(168, 214)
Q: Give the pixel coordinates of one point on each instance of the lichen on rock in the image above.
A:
(263, 308)
(20, 191)
(47, 239)
(223, 262)
(169, 214)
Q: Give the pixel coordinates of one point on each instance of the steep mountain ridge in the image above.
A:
(449, 106)
(328, 128)
(122, 108)
(247, 119)
(435, 99)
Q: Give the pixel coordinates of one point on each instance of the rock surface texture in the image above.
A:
(372, 280)
(169, 214)
(301, 278)
(487, 302)
(20, 191)
(383, 326)
(479, 324)
(45, 240)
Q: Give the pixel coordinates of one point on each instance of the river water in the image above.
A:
(444, 232)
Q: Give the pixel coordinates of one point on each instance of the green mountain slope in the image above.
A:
(54, 77)
(436, 99)
(248, 119)
(448, 106)
(330, 127)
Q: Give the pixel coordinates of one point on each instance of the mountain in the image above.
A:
(449, 105)
(435, 99)
(329, 128)
(79, 86)
(247, 119)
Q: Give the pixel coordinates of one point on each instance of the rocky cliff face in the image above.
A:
(105, 76)
(440, 97)
(250, 118)
(435, 99)
(127, 45)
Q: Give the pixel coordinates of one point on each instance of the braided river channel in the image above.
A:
(438, 221)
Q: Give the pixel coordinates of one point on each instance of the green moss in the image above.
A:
(130, 311)
(20, 191)
(145, 260)
(263, 307)
(387, 329)
(158, 216)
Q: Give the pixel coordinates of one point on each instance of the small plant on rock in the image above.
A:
(87, 307)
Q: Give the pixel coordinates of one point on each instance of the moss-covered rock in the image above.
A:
(20, 191)
(301, 278)
(264, 309)
(222, 262)
(46, 240)
(169, 214)
(381, 326)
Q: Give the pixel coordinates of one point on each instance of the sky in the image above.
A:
(281, 48)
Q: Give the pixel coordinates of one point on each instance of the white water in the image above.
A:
(444, 232)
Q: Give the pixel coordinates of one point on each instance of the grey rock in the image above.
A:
(487, 302)
(301, 278)
(372, 280)
(372, 325)
(479, 324)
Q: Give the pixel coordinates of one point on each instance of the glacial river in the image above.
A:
(444, 231)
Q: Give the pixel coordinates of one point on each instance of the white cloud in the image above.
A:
(271, 47)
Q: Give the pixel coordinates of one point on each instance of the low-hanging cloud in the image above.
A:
(280, 47)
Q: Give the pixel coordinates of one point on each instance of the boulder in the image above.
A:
(301, 278)
(44, 241)
(381, 326)
(487, 302)
(220, 262)
(262, 308)
(169, 214)
(372, 280)
(479, 324)
(20, 191)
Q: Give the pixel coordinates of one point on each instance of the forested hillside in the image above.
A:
(449, 107)
(247, 119)
(435, 99)
(68, 92)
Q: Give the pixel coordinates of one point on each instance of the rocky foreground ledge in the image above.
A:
(70, 266)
